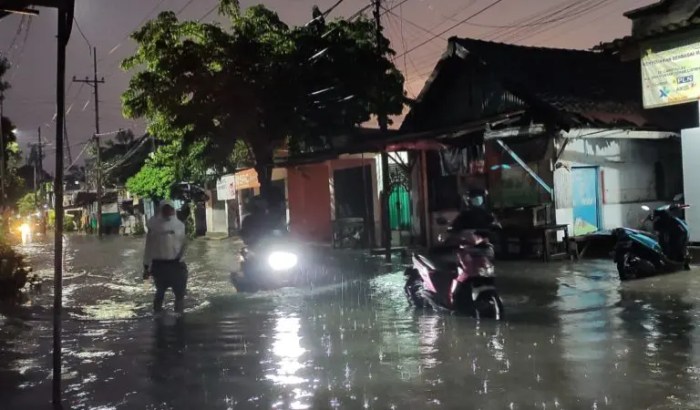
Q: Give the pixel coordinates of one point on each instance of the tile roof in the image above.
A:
(579, 88)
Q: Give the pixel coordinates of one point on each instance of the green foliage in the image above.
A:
(259, 82)
(69, 224)
(152, 181)
(14, 272)
(14, 185)
(4, 66)
(27, 204)
(139, 229)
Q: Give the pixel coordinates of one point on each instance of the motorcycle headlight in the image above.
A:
(281, 261)
(486, 272)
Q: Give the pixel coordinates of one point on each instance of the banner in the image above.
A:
(671, 71)
(226, 188)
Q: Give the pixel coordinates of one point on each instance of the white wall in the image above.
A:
(627, 181)
(612, 215)
(691, 183)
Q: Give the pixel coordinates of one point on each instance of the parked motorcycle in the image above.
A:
(470, 288)
(271, 264)
(642, 254)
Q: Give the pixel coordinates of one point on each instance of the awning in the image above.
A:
(431, 140)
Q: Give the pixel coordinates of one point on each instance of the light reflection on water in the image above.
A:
(574, 338)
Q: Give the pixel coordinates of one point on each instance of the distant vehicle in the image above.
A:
(642, 254)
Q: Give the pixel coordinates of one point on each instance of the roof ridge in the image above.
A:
(501, 44)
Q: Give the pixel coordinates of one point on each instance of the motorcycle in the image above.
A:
(270, 264)
(467, 288)
(642, 254)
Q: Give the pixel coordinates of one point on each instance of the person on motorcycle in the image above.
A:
(474, 214)
(256, 224)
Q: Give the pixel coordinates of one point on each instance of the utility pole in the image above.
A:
(38, 168)
(2, 154)
(65, 22)
(383, 126)
(95, 84)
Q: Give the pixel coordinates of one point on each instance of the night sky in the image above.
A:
(29, 43)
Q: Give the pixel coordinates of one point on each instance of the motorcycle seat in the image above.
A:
(438, 264)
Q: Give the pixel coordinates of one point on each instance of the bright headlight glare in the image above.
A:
(25, 229)
(281, 261)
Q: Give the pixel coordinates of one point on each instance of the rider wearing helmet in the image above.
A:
(256, 224)
(474, 215)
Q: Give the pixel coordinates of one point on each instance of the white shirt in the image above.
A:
(165, 240)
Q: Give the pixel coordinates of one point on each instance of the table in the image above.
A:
(545, 232)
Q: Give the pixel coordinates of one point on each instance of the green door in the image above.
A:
(400, 209)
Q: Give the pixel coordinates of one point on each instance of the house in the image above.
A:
(665, 44)
(227, 204)
(558, 137)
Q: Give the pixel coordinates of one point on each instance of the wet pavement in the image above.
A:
(574, 338)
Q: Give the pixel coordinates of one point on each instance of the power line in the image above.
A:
(559, 11)
(574, 16)
(16, 66)
(551, 14)
(143, 20)
(418, 26)
(82, 34)
(184, 7)
(493, 4)
(208, 13)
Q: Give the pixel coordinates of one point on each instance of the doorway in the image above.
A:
(586, 200)
(354, 203)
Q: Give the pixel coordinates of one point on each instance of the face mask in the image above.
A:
(478, 201)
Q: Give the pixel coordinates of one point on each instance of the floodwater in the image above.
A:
(574, 338)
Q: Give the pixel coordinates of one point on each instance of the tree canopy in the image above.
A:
(258, 82)
(13, 183)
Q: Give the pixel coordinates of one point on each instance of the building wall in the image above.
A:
(353, 161)
(309, 202)
(216, 214)
(628, 177)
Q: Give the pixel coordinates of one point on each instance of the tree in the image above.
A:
(27, 204)
(168, 165)
(10, 148)
(259, 82)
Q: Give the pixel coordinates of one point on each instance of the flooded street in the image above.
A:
(574, 338)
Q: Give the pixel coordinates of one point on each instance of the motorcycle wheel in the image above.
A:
(633, 267)
(489, 306)
(625, 268)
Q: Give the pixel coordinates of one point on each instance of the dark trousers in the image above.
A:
(169, 274)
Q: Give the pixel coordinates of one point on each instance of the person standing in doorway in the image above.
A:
(163, 256)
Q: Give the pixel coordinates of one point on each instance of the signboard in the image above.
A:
(226, 188)
(671, 71)
(247, 179)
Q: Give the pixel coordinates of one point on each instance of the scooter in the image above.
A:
(469, 289)
(271, 264)
(641, 254)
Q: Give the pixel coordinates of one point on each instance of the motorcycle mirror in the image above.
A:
(646, 208)
(441, 221)
(678, 197)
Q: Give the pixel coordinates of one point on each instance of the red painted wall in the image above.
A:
(309, 202)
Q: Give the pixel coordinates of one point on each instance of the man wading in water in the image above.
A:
(165, 247)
